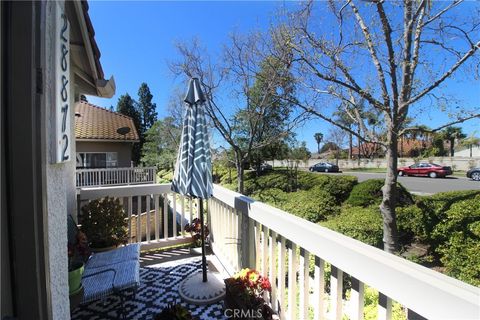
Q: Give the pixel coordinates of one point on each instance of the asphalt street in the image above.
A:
(422, 185)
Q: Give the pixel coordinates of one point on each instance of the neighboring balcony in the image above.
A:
(295, 254)
(114, 176)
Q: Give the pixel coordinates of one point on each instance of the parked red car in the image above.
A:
(431, 170)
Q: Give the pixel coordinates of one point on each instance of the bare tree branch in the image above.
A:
(445, 75)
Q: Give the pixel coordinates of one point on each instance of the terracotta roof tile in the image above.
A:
(96, 123)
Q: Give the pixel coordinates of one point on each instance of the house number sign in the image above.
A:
(62, 92)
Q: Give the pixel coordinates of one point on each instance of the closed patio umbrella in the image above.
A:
(193, 178)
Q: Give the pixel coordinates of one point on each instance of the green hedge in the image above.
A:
(369, 192)
(363, 224)
(459, 235)
(313, 205)
(433, 209)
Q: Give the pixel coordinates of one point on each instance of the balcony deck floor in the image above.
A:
(160, 274)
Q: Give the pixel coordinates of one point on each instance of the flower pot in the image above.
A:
(198, 250)
(237, 307)
(75, 278)
(76, 298)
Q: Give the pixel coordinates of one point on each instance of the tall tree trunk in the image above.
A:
(389, 189)
(401, 146)
(359, 146)
(452, 147)
(350, 146)
(239, 166)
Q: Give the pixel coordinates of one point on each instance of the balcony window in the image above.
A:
(93, 160)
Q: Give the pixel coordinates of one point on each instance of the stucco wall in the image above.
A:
(466, 152)
(456, 163)
(59, 186)
(124, 150)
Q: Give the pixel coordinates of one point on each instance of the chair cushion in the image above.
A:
(121, 254)
(104, 281)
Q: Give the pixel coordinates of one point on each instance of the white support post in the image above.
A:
(336, 290)
(357, 299)
(304, 283)
(319, 287)
(292, 281)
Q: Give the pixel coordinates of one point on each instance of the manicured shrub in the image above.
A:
(103, 221)
(275, 179)
(313, 206)
(370, 192)
(337, 186)
(363, 224)
(458, 235)
(433, 210)
(274, 197)
(411, 224)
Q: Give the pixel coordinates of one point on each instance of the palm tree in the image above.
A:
(318, 137)
(451, 134)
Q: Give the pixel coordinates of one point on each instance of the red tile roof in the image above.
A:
(96, 123)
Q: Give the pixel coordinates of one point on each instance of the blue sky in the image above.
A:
(137, 39)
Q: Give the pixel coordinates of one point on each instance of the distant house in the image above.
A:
(104, 138)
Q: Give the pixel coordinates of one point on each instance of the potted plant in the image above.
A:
(174, 312)
(244, 297)
(78, 254)
(103, 221)
(195, 229)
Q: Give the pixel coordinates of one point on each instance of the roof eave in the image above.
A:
(104, 88)
(105, 140)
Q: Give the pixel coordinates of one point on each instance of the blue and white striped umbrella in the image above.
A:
(193, 170)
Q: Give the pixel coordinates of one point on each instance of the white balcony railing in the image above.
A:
(246, 233)
(154, 218)
(114, 176)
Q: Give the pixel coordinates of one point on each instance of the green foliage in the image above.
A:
(363, 224)
(410, 222)
(370, 192)
(146, 108)
(126, 106)
(337, 186)
(161, 144)
(313, 205)
(371, 306)
(329, 146)
(451, 134)
(433, 210)
(459, 235)
(165, 176)
(175, 312)
(103, 221)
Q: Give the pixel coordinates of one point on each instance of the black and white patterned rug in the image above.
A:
(158, 288)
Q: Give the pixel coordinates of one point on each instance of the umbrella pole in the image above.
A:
(204, 258)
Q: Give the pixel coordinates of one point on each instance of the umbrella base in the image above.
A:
(195, 291)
